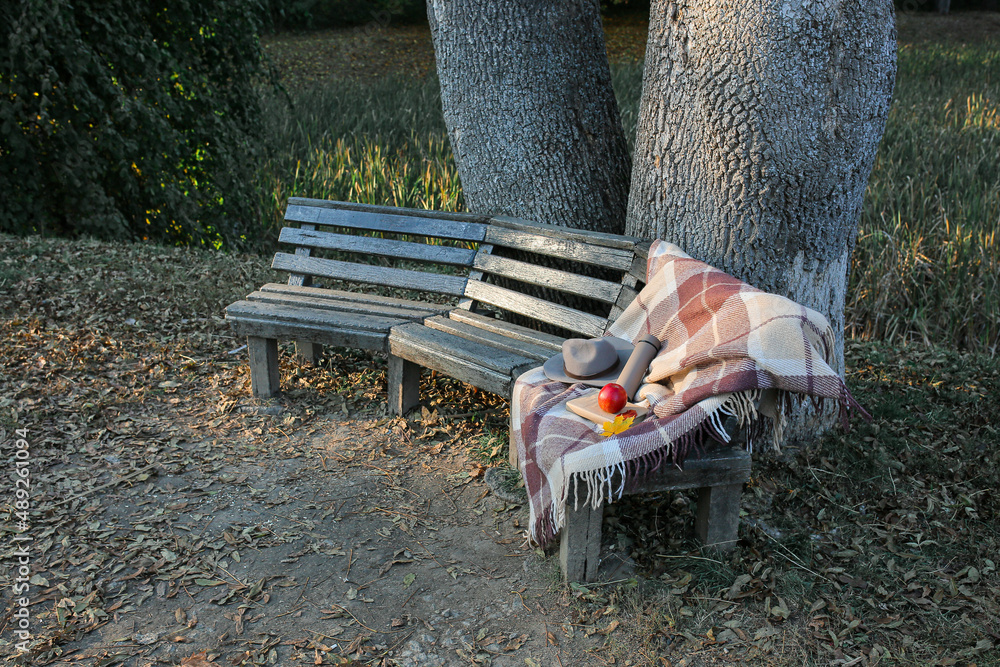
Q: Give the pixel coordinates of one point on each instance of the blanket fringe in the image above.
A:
(610, 483)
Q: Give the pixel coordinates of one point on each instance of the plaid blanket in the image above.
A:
(728, 349)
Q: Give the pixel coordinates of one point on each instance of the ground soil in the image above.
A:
(350, 541)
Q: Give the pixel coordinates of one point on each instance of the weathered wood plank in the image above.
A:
(642, 254)
(308, 351)
(549, 341)
(403, 384)
(474, 352)
(265, 379)
(626, 295)
(560, 232)
(392, 223)
(717, 521)
(375, 275)
(338, 296)
(367, 245)
(580, 542)
(389, 210)
(637, 272)
(364, 339)
(490, 338)
(562, 281)
(535, 308)
(470, 304)
(298, 279)
(242, 310)
(722, 465)
(358, 306)
(613, 258)
(477, 364)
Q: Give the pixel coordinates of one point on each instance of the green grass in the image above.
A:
(926, 266)
(382, 142)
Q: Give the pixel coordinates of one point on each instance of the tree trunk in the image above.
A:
(532, 118)
(757, 133)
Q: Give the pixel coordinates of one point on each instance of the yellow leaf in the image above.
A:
(619, 425)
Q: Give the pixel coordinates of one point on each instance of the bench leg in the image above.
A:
(264, 376)
(404, 385)
(512, 454)
(580, 542)
(308, 352)
(718, 519)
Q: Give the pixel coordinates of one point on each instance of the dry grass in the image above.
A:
(927, 262)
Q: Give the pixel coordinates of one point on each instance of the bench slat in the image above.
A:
(388, 210)
(480, 365)
(548, 341)
(535, 308)
(490, 338)
(312, 316)
(563, 281)
(298, 278)
(387, 222)
(357, 306)
(361, 297)
(249, 318)
(560, 232)
(614, 258)
(368, 245)
(720, 465)
(376, 275)
(341, 337)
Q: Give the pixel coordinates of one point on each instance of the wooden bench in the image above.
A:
(479, 298)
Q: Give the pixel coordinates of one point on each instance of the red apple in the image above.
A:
(612, 398)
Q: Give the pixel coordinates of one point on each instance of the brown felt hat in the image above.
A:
(596, 361)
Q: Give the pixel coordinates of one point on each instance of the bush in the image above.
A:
(129, 119)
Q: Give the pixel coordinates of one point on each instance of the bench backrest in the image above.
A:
(573, 280)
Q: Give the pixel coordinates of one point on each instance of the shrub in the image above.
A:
(128, 119)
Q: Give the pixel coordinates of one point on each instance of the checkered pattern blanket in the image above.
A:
(728, 349)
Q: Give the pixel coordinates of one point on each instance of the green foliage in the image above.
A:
(128, 120)
(317, 14)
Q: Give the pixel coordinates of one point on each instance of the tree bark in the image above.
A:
(757, 132)
(531, 115)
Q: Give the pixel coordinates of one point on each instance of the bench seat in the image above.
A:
(314, 317)
(491, 365)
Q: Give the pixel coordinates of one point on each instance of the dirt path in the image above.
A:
(358, 542)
